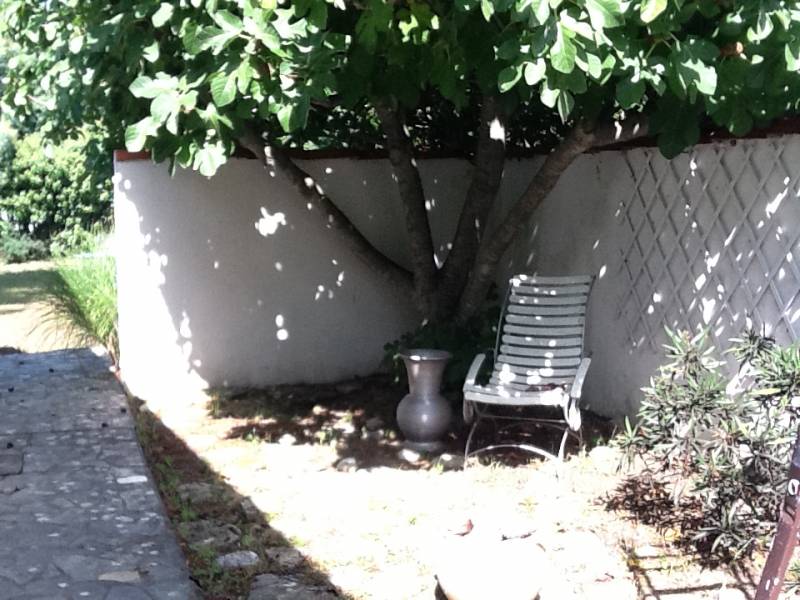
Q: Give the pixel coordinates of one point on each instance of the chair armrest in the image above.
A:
(580, 375)
(475, 368)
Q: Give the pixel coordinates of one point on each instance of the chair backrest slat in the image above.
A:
(541, 334)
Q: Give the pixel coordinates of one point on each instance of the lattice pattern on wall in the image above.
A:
(710, 239)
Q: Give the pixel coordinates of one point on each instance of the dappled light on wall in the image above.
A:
(711, 234)
(268, 224)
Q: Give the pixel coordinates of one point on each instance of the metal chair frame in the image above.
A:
(477, 411)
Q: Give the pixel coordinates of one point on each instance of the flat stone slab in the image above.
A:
(10, 463)
(80, 516)
(286, 587)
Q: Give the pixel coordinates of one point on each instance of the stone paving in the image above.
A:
(80, 517)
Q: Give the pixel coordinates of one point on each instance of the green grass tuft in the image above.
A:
(86, 297)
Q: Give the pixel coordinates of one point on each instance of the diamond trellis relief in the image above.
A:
(710, 240)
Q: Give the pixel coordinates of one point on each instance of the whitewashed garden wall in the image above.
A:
(226, 281)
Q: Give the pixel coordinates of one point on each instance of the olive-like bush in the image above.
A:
(720, 449)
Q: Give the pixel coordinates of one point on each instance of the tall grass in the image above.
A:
(85, 299)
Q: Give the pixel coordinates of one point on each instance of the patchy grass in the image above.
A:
(24, 289)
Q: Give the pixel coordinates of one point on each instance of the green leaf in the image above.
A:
(562, 54)
(691, 68)
(565, 104)
(151, 53)
(508, 78)
(164, 105)
(75, 44)
(534, 71)
(487, 8)
(209, 159)
(223, 88)
(136, 135)
(208, 38)
(792, 55)
(163, 14)
(294, 115)
(228, 22)
(650, 9)
(146, 87)
(244, 75)
(629, 92)
(541, 10)
(604, 13)
(549, 96)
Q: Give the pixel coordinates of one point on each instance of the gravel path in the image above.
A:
(79, 513)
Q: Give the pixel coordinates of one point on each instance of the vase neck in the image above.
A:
(424, 377)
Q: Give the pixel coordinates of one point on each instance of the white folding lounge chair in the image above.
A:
(539, 358)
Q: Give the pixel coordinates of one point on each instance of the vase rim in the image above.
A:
(425, 354)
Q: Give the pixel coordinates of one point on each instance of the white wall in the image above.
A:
(704, 240)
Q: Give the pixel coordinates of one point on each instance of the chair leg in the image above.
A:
(563, 444)
(472, 429)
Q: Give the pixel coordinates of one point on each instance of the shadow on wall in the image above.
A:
(230, 282)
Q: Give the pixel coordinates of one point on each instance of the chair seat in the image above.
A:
(495, 394)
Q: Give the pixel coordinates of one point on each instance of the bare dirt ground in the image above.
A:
(24, 320)
(379, 526)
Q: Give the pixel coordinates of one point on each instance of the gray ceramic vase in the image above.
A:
(423, 414)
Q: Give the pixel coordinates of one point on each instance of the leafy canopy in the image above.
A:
(185, 79)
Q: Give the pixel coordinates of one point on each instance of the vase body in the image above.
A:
(423, 414)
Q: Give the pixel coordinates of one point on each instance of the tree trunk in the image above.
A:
(409, 184)
(277, 159)
(490, 157)
(494, 245)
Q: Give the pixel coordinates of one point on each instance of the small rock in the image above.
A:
(287, 439)
(345, 427)
(319, 410)
(727, 593)
(237, 560)
(210, 534)
(605, 458)
(373, 424)
(199, 492)
(286, 587)
(250, 510)
(120, 577)
(347, 465)
(449, 462)
(374, 436)
(8, 486)
(284, 557)
(409, 455)
(10, 463)
(349, 387)
(132, 479)
(518, 567)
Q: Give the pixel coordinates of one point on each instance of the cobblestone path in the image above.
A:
(80, 517)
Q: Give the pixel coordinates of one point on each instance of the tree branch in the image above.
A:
(516, 220)
(409, 184)
(335, 219)
(490, 158)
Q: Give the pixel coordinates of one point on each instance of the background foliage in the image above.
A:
(52, 196)
(721, 449)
